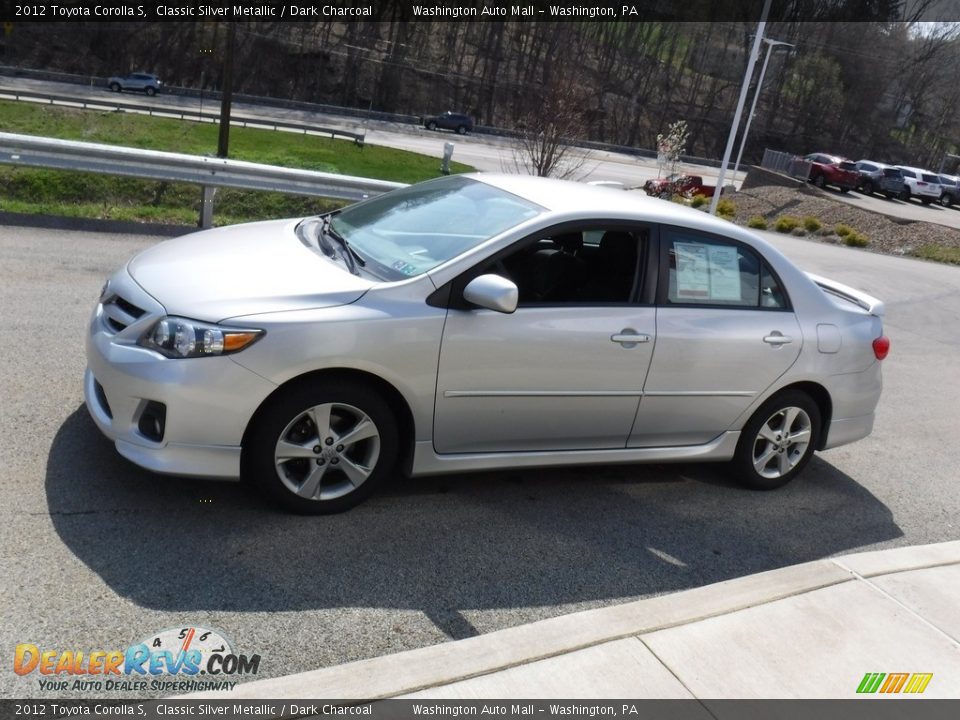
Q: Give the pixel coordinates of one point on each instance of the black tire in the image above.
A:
(905, 194)
(789, 458)
(151, 91)
(844, 190)
(926, 200)
(820, 181)
(293, 415)
(431, 125)
(461, 130)
(946, 200)
(867, 187)
(115, 87)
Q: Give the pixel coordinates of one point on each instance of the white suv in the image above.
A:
(138, 82)
(923, 184)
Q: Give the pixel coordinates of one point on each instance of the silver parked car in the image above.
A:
(476, 322)
(138, 82)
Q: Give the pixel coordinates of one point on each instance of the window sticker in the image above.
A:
(707, 272)
(405, 267)
(693, 275)
(724, 272)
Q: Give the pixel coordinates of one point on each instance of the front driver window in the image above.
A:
(593, 265)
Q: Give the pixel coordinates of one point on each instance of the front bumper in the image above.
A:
(208, 401)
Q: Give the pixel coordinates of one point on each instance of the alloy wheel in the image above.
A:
(782, 442)
(327, 451)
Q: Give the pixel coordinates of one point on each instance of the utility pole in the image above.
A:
(224, 141)
(756, 95)
(740, 103)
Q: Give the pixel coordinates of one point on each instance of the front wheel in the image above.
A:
(820, 181)
(777, 442)
(926, 200)
(151, 91)
(321, 448)
(946, 200)
(867, 188)
(461, 130)
(431, 125)
(115, 87)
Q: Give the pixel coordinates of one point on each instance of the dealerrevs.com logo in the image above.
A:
(169, 661)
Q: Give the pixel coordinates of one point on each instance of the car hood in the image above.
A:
(243, 270)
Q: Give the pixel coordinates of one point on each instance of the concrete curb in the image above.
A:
(413, 670)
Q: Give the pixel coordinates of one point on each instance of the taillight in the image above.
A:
(881, 346)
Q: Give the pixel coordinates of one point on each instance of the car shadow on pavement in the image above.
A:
(441, 545)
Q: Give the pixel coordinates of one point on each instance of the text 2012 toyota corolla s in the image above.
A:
(477, 322)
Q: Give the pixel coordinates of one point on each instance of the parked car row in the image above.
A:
(892, 181)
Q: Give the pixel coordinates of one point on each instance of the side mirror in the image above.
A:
(492, 292)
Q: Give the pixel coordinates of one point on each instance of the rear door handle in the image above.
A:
(777, 338)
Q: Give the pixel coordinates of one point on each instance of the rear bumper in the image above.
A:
(848, 430)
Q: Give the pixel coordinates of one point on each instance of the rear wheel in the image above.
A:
(322, 448)
(115, 87)
(905, 195)
(151, 91)
(778, 441)
(461, 130)
(867, 187)
(946, 200)
(431, 125)
(926, 200)
(844, 190)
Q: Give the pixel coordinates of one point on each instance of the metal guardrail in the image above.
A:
(207, 172)
(180, 113)
(786, 163)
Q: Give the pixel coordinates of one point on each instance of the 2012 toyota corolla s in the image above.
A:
(477, 322)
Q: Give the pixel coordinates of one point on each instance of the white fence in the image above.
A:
(786, 163)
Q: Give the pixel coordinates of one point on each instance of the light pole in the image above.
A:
(740, 103)
(756, 94)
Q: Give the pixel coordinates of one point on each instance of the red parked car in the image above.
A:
(678, 184)
(833, 170)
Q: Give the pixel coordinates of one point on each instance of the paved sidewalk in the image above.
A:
(807, 631)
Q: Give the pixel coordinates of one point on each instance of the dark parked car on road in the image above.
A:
(879, 177)
(833, 170)
(139, 82)
(458, 122)
(951, 189)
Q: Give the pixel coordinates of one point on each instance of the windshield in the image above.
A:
(410, 231)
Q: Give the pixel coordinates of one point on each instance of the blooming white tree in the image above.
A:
(671, 146)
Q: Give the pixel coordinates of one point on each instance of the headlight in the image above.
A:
(176, 337)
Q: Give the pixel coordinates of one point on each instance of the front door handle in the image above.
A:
(777, 338)
(629, 338)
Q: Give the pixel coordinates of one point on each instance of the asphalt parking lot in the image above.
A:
(98, 554)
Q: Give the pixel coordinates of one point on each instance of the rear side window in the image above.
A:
(713, 271)
(892, 172)
(908, 173)
(848, 165)
(867, 166)
(931, 178)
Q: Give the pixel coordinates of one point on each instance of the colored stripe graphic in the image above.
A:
(918, 683)
(870, 682)
(894, 683)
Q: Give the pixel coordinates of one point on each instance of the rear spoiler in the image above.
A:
(861, 299)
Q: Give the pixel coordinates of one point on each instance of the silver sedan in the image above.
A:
(477, 322)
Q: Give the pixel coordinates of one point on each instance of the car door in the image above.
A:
(564, 371)
(725, 333)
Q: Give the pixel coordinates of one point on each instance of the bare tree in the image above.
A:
(554, 119)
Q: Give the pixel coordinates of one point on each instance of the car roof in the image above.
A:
(880, 165)
(575, 198)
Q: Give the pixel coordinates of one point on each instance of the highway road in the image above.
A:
(484, 152)
(98, 554)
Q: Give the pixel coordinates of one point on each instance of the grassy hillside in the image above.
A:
(102, 196)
